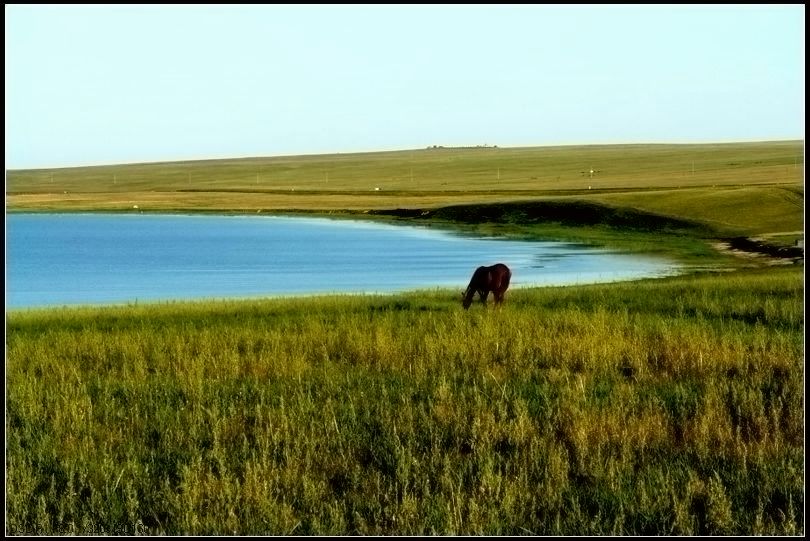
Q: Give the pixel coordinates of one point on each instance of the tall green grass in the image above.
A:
(671, 406)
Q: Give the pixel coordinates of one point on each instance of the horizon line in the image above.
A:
(429, 147)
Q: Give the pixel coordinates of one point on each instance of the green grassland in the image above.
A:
(740, 186)
(668, 406)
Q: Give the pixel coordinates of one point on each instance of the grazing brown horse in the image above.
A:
(485, 279)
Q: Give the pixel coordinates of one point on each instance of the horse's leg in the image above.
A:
(484, 294)
(500, 294)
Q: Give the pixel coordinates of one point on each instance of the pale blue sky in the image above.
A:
(89, 85)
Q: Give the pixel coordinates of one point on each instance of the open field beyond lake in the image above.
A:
(667, 406)
(752, 188)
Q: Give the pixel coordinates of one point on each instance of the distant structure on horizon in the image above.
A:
(430, 147)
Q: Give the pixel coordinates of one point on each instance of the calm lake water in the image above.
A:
(64, 259)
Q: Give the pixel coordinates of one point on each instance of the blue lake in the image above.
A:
(66, 259)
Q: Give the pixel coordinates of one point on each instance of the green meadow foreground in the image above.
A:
(669, 406)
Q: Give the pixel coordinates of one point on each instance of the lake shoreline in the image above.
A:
(92, 258)
(743, 250)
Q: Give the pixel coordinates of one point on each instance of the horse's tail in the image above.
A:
(504, 277)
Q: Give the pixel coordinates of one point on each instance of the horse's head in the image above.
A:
(466, 300)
